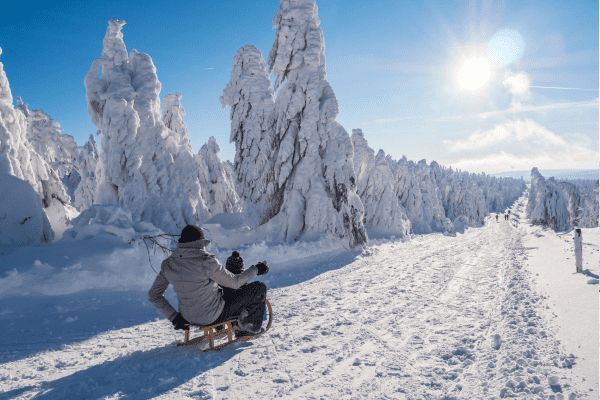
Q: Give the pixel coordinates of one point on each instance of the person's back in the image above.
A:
(191, 270)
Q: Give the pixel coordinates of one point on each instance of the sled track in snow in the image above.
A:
(447, 303)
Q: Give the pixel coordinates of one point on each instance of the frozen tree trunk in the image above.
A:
(136, 168)
(578, 241)
(314, 181)
(250, 96)
(217, 189)
(180, 147)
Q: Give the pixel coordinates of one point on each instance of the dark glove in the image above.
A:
(262, 268)
(180, 323)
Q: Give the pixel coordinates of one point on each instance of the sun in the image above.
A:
(474, 73)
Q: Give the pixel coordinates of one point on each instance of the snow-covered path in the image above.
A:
(434, 318)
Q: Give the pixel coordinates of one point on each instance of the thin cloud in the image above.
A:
(574, 157)
(521, 131)
(562, 88)
(517, 108)
(388, 120)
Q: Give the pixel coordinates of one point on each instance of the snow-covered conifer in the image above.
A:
(383, 213)
(86, 165)
(58, 149)
(433, 210)
(22, 217)
(546, 205)
(250, 96)
(18, 157)
(180, 146)
(217, 190)
(135, 169)
(408, 191)
(315, 185)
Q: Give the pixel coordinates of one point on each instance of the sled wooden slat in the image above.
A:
(213, 333)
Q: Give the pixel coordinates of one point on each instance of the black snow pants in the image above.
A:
(251, 298)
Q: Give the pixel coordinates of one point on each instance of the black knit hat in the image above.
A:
(191, 233)
(235, 263)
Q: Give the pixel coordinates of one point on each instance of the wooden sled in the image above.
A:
(226, 329)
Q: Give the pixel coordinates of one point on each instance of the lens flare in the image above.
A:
(474, 73)
(505, 47)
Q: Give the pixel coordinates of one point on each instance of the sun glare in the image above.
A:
(474, 73)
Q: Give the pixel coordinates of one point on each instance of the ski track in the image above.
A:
(434, 318)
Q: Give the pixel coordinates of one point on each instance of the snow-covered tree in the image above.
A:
(230, 174)
(135, 169)
(18, 157)
(573, 200)
(217, 189)
(312, 157)
(588, 216)
(546, 205)
(364, 160)
(408, 191)
(22, 217)
(86, 165)
(582, 202)
(58, 149)
(250, 96)
(383, 212)
(180, 146)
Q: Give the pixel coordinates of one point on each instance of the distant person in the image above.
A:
(506, 217)
(196, 275)
(496, 217)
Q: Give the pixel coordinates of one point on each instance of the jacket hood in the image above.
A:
(193, 249)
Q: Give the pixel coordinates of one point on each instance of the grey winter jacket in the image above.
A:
(195, 276)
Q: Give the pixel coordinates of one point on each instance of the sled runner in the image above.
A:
(226, 329)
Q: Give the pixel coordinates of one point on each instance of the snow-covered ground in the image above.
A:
(495, 312)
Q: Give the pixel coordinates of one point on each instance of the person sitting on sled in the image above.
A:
(196, 275)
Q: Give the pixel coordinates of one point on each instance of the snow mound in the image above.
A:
(109, 220)
(23, 220)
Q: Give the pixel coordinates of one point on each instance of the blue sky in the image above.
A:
(403, 71)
